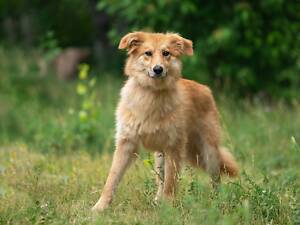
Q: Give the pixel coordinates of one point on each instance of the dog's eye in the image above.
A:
(148, 53)
(166, 53)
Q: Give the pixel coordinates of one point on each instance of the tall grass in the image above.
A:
(51, 172)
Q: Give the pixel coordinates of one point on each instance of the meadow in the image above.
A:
(57, 139)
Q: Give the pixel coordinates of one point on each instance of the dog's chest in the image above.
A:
(158, 132)
(153, 119)
(159, 139)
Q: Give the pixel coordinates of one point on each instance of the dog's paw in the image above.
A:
(100, 206)
(158, 198)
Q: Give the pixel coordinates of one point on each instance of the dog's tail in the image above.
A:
(228, 164)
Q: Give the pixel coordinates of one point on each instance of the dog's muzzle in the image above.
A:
(157, 72)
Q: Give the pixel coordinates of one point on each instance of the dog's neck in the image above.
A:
(144, 99)
(159, 90)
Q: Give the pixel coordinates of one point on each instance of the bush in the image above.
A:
(29, 21)
(246, 47)
(250, 47)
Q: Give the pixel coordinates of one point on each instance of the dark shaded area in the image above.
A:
(243, 47)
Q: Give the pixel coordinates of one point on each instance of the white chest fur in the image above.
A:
(151, 117)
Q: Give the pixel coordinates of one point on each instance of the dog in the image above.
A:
(175, 118)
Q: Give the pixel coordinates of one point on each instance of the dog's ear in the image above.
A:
(180, 45)
(131, 41)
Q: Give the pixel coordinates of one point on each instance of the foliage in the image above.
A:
(30, 102)
(87, 115)
(244, 46)
(49, 46)
(71, 21)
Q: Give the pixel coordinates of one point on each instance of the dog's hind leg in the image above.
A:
(211, 158)
(122, 158)
(159, 173)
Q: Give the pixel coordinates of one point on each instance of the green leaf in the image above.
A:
(83, 71)
(81, 89)
(147, 162)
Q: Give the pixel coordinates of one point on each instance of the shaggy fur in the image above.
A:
(171, 116)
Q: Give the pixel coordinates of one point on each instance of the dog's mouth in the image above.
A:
(157, 76)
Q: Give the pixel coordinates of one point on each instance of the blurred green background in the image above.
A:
(60, 78)
(242, 47)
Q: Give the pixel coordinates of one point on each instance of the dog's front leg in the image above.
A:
(122, 158)
(159, 173)
(172, 168)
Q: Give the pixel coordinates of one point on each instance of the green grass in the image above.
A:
(53, 165)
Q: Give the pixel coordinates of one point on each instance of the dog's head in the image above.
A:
(154, 58)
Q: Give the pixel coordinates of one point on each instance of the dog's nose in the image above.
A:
(157, 69)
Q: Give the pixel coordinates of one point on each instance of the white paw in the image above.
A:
(157, 199)
(100, 206)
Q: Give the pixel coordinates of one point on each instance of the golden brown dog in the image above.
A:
(175, 118)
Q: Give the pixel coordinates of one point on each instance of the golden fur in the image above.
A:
(171, 116)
